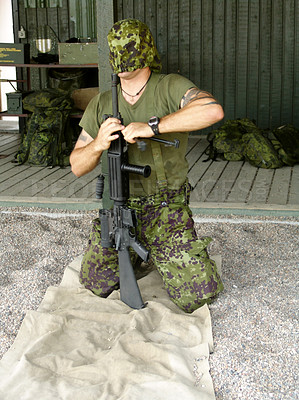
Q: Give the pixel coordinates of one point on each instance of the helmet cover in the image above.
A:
(132, 47)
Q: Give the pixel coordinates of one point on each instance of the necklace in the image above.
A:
(134, 95)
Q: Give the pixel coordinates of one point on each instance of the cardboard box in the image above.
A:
(82, 97)
(14, 53)
(78, 53)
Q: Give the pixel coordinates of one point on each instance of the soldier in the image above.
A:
(150, 103)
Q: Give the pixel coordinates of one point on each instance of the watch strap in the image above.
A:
(154, 126)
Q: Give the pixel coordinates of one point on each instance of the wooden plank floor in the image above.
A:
(218, 183)
(36, 182)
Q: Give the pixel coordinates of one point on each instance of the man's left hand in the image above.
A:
(137, 130)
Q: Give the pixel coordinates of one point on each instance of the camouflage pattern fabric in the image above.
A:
(47, 140)
(286, 143)
(166, 228)
(230, 145)
(241, 139)
(259, 151)
(41, 100)
(132, 47)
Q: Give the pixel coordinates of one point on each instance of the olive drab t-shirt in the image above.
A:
(162, 96)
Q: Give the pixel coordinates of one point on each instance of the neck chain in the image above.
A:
(134, 95)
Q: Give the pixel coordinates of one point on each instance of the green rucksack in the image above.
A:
(227, 142)
(48, 139)
(286, 143)
(240, 140)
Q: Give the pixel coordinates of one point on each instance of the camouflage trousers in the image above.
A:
(166, 229)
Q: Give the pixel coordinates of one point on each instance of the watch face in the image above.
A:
(153, 121)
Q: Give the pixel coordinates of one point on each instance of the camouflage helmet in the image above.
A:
(132, 46)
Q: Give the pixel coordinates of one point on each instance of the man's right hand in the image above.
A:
(87, 152)
(107, 133)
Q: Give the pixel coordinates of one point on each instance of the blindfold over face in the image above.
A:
(132, 46)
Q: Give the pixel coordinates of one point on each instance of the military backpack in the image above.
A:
(241, 139)
(47, 140)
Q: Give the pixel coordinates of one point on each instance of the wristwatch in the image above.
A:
(153, 122)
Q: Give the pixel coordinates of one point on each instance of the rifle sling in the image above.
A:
(159, 165)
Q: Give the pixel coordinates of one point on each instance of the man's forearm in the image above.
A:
(88, 151)
(193, 117)
(84, 159)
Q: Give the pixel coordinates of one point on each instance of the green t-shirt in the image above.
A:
(162, 96)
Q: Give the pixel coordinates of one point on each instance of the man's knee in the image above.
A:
(100, 281)
(184, 299)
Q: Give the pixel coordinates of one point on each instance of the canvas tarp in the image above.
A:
(79, 346)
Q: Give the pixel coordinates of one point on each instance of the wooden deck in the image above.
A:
(217, 185)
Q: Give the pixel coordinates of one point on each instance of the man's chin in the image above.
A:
(124, 74)
(127, 74)
(132, 74)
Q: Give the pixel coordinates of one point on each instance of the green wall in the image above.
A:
(246, 52)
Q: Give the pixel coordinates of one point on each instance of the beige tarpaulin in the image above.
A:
(79, 346)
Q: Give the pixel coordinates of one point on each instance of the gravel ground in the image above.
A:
(254, 320)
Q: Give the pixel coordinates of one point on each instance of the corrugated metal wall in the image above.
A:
(246, 52)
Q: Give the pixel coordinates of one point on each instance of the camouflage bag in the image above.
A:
(239, 140)
(259, 150)
(286, 144)
(48, 139)
(229, 145)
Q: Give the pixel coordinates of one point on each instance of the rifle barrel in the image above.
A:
(115, 82)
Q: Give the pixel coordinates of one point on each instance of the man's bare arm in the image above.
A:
(198, 110)
(196, 94)
(84, 158)
(87, 151)
(83, 139)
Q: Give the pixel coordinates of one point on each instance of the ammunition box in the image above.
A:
(14, 53)
(78, 53)
(15, 102)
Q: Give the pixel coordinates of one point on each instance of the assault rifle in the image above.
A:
(118, 225)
